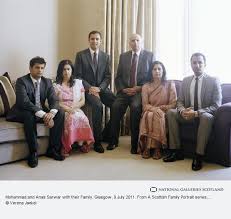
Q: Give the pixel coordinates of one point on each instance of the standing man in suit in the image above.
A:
(93, 66)
(134, 70)
(199, 98)
(32, 90)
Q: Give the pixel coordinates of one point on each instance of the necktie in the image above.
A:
(37, 95)
(95, 61)
(133, 71)
(196, 95)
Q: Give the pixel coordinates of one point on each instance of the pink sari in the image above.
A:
(152, 124)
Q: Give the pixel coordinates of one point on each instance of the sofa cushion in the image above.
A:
(14, 131)
(7, 94)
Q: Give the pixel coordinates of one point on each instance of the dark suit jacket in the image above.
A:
(122, 79)
(85, 71)
(25, 96)
(210, 94)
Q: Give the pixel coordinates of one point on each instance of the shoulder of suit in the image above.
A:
(83, 51)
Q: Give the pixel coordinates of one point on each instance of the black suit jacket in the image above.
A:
(85, 71)
(25, 96)
(122, 79)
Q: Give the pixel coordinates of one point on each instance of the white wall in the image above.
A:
(28, 29)
(53, 29)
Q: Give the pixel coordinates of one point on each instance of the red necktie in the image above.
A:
(133, 70)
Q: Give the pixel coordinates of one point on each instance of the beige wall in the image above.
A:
(54, 29)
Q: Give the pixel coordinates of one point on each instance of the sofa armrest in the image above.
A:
(222, 127)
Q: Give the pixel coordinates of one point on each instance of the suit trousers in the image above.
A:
(119, 108)
(29, 120)
(205, 123)
(107, 98)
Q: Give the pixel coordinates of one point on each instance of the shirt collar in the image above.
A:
(34, 80)
(92, 51)
(137, 53)
(200, 77)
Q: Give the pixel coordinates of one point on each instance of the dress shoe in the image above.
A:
(146, 154)
(112, 146)
(98, 148)
(133, 151)
(55, 156)
(197, 164)
(174, 156)
(33, 160)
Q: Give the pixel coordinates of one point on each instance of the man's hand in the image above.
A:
(94, 91)
(131, 91)
(164, 108)
(188, 113)
(48, 120)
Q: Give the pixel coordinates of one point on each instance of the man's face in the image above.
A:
(135, 43)
(198, 65)
(94, 41)
(37, 70)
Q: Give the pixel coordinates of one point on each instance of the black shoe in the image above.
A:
(112, 146)
(33, 160)
(98, 148)
(174, 156)
(55, 156)
(197, 164)
(133, 151)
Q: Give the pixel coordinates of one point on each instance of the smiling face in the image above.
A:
(94, 41)
(37, 70)
(67, 72)
(157, 72)
(198, 65)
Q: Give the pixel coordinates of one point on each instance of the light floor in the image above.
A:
(118, 164)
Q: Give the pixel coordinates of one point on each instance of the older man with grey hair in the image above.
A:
(134, 70)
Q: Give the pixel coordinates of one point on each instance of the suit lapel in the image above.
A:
(129, 61)
(100, 61)
(89, 58)
(187, 92)
(203, 88)
(139, 66)
(42, 89)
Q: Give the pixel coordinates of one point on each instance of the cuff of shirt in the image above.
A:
(54, 111)
(40, 113)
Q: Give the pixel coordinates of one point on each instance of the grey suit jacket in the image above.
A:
(85, 71)
(210, 95)
(122, 79)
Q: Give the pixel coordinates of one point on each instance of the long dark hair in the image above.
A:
(163, 78)
(59, 77)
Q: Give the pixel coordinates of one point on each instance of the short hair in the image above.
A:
(94, 32)
(163, 78)
(198, 54)
(59, 76)
(37, 60)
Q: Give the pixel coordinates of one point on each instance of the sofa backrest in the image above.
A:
(225, 88)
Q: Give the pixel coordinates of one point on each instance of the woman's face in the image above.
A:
(157, 72)
(67, 72)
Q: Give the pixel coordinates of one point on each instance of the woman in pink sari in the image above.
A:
(157, 97)
(71, 96)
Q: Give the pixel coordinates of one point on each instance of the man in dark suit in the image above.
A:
(134, 70)
(199, 98)
(93, 66)
(32, 90)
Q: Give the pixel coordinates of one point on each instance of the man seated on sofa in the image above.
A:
(32, 90)
(199, 98)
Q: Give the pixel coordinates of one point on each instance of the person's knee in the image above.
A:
(206, 118)
(136, 108)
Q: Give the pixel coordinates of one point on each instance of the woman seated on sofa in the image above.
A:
(158, 96)
(71, 96)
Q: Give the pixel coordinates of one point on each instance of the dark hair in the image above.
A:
(163, 78)
(198, 54)
(59, 77)
(94, 32)
(37, 60)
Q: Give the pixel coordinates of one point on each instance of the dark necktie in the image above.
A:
(196, 95)
(37, 95)
(133, 70)
(95, 64)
